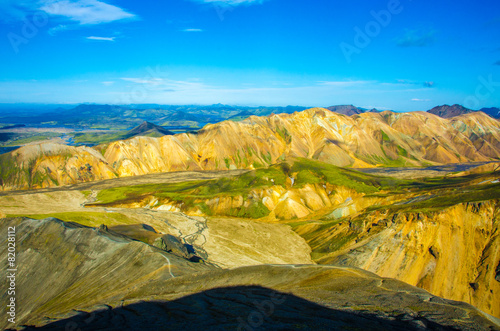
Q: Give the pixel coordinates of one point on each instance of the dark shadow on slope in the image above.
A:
(236, 308)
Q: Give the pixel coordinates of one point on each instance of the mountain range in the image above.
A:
(125, 117)
(365, 140)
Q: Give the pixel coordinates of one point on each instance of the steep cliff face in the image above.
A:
(365, 140)
(451, 252)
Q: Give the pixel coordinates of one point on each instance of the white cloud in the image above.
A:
(420, 100)
(109, 83)
(85, 11)
(101, 38)
(192, 30)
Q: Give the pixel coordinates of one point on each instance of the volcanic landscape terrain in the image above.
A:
(307, 220)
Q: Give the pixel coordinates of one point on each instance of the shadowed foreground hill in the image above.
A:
(244, 308)
(364, 140)
(93, 279)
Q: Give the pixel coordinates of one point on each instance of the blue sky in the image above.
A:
(404, 55)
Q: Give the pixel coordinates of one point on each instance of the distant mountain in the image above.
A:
(147, 129)
(182, 116)
(121, 117)
(493, 112)
(446, 111)
(241, 116)
(350, 110)
(220, 106)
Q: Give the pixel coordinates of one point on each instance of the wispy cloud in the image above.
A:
(82, 11)
(231, 2)
(167, 85)
(108, 83)
(155, 87)
(56, 29)
(345, 83)
(413, 82)
(85, 11)
(192, 30)
(101, 38)
(420, 100)
(151, 81)
(417, 38)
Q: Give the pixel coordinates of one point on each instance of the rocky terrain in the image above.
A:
(97, 279)
(424, 236)
(223, 241)
(452, 253)
(364, 140)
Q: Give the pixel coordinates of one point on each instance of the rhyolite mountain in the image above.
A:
(364, 140)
